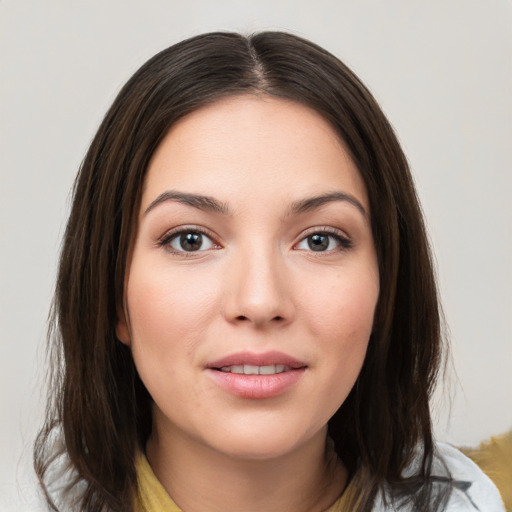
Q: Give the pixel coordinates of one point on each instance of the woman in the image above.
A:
(246, 315)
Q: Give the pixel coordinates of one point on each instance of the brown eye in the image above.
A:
(318, 242)
(190, 241)
(324, 241)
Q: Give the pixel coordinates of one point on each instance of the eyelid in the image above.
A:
(165, 239)
(344, 241)
(342, 238)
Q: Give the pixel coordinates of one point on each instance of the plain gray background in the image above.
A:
(442, 71)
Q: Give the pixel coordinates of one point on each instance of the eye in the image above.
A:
(323, 241)
(188, 241)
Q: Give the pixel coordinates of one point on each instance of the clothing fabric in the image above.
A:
(473, 490)
(152, 497)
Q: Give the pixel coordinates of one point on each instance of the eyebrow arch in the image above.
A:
(200, 202)
(311, 203)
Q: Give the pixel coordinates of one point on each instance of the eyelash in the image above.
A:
(166, 240)
(344, 243)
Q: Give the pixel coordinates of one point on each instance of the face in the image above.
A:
(253, 281)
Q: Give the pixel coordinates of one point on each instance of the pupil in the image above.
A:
(318, 242)
(191, 241)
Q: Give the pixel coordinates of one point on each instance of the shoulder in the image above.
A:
(473, 490)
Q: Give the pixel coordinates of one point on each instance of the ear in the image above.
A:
(122, 330)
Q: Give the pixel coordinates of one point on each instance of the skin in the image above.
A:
(255, 285)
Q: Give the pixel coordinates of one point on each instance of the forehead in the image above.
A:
(248, 146)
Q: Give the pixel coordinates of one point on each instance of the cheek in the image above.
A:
(341, 320)
(168, 316)
(339, 312)
(165, 303)
(343, 308)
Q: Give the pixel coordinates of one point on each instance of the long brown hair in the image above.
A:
(99, 413)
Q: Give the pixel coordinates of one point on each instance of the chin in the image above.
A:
(258, 449)
(259, 443)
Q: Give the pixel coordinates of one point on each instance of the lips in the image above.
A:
(256, 376)
(250, 369)
(273, 358)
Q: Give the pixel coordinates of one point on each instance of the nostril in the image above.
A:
(260, 319)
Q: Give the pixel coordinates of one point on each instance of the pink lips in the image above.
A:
(265, 359)
(279, 373)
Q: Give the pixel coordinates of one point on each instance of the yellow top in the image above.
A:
(152, 497)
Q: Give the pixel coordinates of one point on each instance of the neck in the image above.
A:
(199, 479)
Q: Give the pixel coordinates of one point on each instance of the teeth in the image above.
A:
(267, 370)
(249, 369)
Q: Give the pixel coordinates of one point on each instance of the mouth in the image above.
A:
(256, 376)
(250, 363)
(249, 369)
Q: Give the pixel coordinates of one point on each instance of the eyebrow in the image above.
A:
(206, 203)
(311, 203)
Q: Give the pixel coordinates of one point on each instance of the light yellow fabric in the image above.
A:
(495, 459)
(152, 497)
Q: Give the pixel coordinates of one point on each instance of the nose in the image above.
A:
(258, 291)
